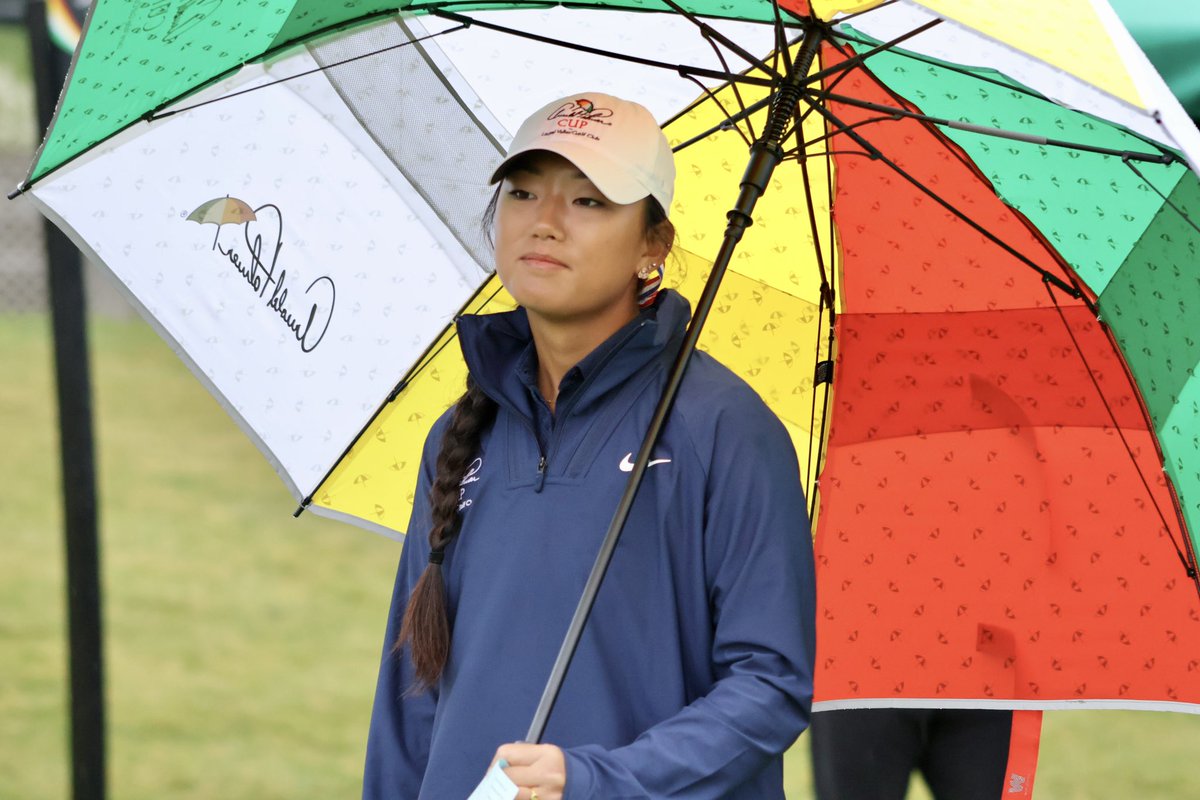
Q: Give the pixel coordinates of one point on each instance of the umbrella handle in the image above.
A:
(765, 155)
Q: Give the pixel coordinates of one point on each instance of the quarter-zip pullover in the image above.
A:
(694, 672)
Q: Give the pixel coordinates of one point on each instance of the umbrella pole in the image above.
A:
(765, 155)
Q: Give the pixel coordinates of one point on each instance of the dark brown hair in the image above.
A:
(426, 625)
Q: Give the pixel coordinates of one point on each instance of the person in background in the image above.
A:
(871, 753)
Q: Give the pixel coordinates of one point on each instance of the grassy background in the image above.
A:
(16, 92)
(242, 643)
(14, 55)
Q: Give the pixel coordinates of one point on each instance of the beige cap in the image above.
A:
(616, 143)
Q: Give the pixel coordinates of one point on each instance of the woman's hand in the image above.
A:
(538, 770)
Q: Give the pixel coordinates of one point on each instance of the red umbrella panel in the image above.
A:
(995, 528)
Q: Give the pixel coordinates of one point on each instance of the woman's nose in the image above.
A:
(548, 222)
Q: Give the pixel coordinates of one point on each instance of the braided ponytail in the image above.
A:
(426, 626)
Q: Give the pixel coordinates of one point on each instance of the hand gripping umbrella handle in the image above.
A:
(765, 155)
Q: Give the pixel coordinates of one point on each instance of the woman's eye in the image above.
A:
(519, 194)
(589, 202)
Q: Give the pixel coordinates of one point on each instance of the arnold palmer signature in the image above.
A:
(310, 325)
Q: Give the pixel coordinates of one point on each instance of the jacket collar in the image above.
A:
(500, 355)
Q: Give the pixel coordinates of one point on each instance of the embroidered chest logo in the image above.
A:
(472, 476)
(626, 464)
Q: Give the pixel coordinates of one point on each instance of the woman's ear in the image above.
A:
(659, 241)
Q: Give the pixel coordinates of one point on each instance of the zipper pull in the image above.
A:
(541, 481)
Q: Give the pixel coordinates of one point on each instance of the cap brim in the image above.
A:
(609, 176)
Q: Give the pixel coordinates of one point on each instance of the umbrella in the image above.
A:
(223, 211)
(966, 289)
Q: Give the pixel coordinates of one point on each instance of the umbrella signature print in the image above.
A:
(259, 273)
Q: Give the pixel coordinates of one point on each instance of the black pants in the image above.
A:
(869, 754)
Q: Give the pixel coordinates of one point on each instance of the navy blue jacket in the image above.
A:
(694, 672)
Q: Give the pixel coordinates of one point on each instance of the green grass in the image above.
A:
(18, 131)
(14, 51)
(242, 644)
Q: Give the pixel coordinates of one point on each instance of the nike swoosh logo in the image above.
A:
(627, 462)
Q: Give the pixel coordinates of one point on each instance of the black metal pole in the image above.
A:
(765, 155)
(68, 313)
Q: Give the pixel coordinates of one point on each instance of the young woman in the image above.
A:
(694, 672)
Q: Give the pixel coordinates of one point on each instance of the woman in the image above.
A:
(694, 672)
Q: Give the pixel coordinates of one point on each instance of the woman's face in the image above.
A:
(563, 250)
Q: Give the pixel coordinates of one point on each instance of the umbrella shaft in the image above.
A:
(765, 155)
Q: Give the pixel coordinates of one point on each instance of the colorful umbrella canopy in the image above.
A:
(967, 290)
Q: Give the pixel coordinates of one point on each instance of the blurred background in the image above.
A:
(241, 644)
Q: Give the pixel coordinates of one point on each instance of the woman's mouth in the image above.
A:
(542, 260)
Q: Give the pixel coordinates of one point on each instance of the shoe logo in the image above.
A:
(627, 462)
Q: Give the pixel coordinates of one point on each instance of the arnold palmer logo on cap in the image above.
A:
(617, 144)
(578, 113)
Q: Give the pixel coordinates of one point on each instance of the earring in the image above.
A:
(651, 282)
(644, 272)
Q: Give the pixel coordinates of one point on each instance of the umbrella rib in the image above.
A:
(737, 93)
(838, 79)
(679, 69)
(987, 130)
(728, 124)
(150, 117)
(811, 469)
(852, 61)
(1121, 433)
(826, 290)
(857, 60)
(828, 136)
(849, 17)
(821, 440)
(423, 361)
(1166, 199)
(835, 256)
(826, 298)
(827, 301)
(506, 5)
(827, 153)
(875, 153)
(962, 70)
(781, 43)
(947, 65)
(713, 35)
(736, 117)
(731, 120)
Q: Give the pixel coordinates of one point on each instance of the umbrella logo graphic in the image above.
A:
(223, 211)
(256, 257)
